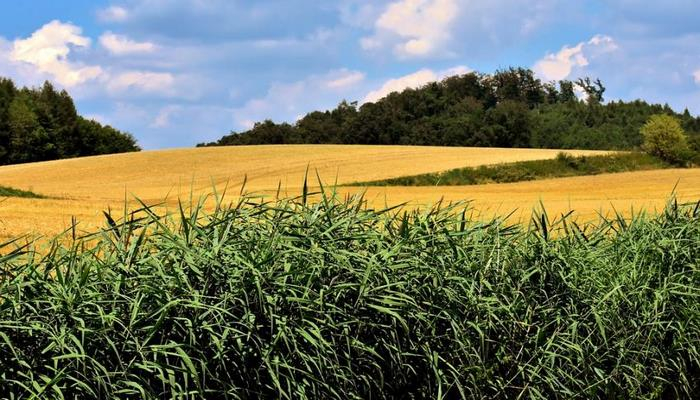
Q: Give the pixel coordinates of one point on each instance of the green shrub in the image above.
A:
(665, 138)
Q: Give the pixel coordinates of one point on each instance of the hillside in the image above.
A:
(511, 108)
(84, 187)
(38, 124)
(153, 174)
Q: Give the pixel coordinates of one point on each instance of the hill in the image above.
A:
(38, 124)
(84, 187)
(511, 108)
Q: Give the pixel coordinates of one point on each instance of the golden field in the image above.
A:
(84, 187)
(587, 196)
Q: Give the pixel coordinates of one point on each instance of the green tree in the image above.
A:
(42, 124)
(8, 91)
(665, 138)
(28, 139)
(510, 123)
(566, 92)
(509, 108)
(594, 90)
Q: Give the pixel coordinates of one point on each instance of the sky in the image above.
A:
(179, 72)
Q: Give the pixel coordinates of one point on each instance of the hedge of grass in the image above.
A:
(564, 165)
(6, 191)
(294, 299)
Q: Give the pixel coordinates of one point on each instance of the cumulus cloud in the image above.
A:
(113, 14)
(560, 65)
(120, 45)
(414, 80)
(419, 27)
(162, 120)
(48, 54)
(450, 28)
(47, 51)
(345, 78)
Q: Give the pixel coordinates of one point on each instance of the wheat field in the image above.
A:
(83, 188)
(587, 196)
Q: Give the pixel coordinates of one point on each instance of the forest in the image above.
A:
(39, 124)
(510, 108)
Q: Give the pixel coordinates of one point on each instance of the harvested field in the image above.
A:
(153, 174)
(586, 195)
(84, 187)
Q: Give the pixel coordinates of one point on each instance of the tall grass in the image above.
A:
(564, 165)
(327, 299)
(6, 191)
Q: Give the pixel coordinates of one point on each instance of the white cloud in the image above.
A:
(47, 51)
(414, 80)
(162, 120)
(345, 78)
(282, 99)
(119, 44)
(696, 75)
(113, 14)
(560, 65)
(153, 82)
(417, 27)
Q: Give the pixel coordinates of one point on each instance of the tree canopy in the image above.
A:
(39, 124)
(665, 138)
(510, 108)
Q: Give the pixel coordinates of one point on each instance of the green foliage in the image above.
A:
(510, 108)
(43, 124)
(564, 165)
(594, 90)
(325, 299)
(12, 192)
(665, 138)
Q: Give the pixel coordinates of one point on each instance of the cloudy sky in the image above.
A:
(178, 72)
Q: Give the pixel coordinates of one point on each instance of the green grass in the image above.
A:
(562, 166)
(326, 299)
(12, 192)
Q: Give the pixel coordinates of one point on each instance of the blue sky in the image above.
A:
(178, 72)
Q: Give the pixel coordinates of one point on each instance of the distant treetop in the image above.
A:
(510, 108)
(39, 124)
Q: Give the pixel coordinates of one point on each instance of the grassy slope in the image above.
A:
(328, 300)
(12, 192)
(562, 166)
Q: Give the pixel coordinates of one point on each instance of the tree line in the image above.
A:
(510, 108)
(39, 124)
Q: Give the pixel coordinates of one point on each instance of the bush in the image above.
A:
(328, 300)
(665, 138)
